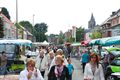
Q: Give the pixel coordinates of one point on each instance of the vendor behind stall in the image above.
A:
(3, 63)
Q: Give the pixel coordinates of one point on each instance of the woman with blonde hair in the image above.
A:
(93, 69)
(59, 71)
(58, 52)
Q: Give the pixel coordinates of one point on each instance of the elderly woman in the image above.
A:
(58, 71)
(41, 62)
(93, 70)
(59, 52)
(30, 73)
(50, 57)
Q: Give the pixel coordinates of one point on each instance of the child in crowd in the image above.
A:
(70, 68)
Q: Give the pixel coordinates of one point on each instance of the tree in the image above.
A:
(27, 25)
(53, 38)
(41, 29)
(5, 12)
(96, 35)
(61, 37)
(1, 28)
(79, 34)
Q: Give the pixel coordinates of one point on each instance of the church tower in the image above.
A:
(91, 23)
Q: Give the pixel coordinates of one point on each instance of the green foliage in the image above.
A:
(52, 35)
(40, 30)
(53, 38)
(70, 39)
(61, 37)
(27, 25)
(1, 28)
(17, 67)
(96, 35)
(5, 12)
(79, 34)
(61, 41)
(42, 27)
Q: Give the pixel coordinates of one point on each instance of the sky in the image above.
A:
(61, 15)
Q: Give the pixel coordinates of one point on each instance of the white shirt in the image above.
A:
(41, 64)
(98, 75)
(24, 73)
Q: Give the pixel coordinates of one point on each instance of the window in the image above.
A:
(10, 48)
(109, 33)
(2, 47)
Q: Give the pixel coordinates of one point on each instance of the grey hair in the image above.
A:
(60, 50)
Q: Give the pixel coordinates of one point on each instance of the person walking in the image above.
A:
(70, 68)
(93, 69)
(85, 59)
(41, 62)
(58, 71)
(30, 73)
(50, 57)
(59, 52)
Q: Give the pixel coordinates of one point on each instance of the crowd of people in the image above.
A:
(52, 60)
(58, 64)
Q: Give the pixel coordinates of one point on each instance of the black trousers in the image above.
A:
(83, 66)
(70, 77)
(42, 73)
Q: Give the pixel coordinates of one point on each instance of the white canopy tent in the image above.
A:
(45, 43)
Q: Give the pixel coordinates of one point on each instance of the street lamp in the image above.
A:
(16, 19)
(33, 19)
(34, 39)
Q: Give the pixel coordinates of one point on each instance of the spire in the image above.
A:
(92, 17)
(92, 23)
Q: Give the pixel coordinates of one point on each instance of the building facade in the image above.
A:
(111, 27)
(8, 27)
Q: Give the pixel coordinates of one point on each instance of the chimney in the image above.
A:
(113, 13)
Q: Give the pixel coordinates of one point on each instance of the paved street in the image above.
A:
(77, 75)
